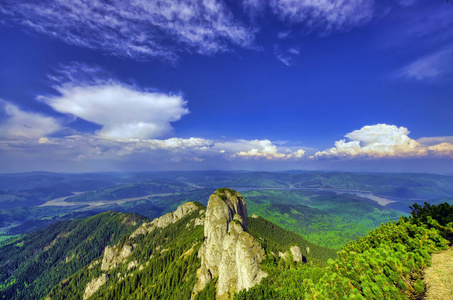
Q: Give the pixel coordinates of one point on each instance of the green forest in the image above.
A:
(323, 218)
(352, 247)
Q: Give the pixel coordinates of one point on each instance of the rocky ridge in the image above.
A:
(115, 255)
(229, 252)
(170, 218)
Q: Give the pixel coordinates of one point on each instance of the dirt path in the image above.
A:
(439, 277)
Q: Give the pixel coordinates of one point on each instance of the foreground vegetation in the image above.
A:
(385, 264)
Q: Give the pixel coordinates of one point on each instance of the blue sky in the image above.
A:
(353, 85)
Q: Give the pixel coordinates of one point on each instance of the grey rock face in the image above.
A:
(239, 268)
(113, 256)
(297, 254)
(94, 285)
(229, 252)
(170, 218)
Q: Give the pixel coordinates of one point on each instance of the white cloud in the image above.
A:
(437, 65)
(382, 140)
(254, 7)
(85, 150)
(257, 149)
(379, 140)
(325, 15)
(294, 51)
(286, 57)
(138, 29)
(171, 144)
(284, 34)
(442, 149)
(19, 123)
(429, 23)
(123, 111)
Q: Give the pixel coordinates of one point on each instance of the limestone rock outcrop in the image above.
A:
(297, 254)
(170, 218)
(294, 253)
(113, 256)
(239, 268)
(94, 285)
(228, 252)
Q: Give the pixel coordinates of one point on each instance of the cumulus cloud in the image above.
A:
(257, 149)
(325, 15)
(382, 140)
(138, 29)
(437, 65)
(442, 149)
(379, 140)
(123, 111)
(19, 123)
(86, 150)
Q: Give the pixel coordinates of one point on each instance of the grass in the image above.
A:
(439, 276)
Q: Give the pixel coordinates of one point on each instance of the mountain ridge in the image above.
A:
(159, 258)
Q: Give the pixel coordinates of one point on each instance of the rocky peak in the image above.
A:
(228, 252)
(222, 206)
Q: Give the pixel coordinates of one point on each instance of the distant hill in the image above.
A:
(29, 198)
(401, 185)
(314, 204)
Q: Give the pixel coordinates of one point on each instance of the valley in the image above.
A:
(327, 208)
(62, 201)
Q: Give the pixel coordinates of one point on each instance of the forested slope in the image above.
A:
(164, 261)
(115, 256)
(33, 264)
